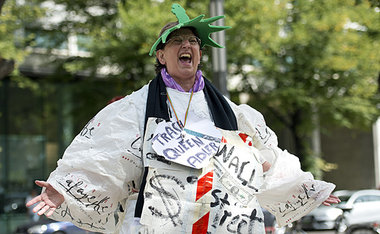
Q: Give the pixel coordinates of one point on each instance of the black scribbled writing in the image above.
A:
(226, 214)
(221, 201)
(223, 151)
(150, 137)
(134, 142)
(264, 136)
(171, 202)
(301, 200)
(135, 145)
(239, 168)
(77, 192)
(154, 156)
(87, 131)
(65, 212)
(250, 180)
(241, 223)
(307, 191)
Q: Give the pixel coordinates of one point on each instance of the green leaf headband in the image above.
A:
(202, 26)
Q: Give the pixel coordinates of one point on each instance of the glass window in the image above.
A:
(367, 198)
(83, 42)
(46, 39)
(373, 198)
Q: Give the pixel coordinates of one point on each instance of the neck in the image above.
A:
(193, 82)
(186, 84)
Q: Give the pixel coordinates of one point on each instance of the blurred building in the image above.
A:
(356, 153)
(351, 156)
(40, 116)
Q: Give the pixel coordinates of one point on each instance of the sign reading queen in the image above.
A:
(192, 146)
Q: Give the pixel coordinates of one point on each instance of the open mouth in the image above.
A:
(185, 58)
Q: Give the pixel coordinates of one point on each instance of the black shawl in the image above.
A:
(221, 111)
(156, 106)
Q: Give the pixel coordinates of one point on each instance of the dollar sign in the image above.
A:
(171, 202)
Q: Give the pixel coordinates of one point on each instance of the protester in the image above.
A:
(178, 157)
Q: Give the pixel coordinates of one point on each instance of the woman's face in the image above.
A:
(181, 54)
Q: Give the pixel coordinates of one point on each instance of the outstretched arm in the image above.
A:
(47, 201)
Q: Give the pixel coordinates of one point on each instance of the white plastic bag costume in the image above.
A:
(102, 169)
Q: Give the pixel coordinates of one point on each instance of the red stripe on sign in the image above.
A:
(244, 137)
(204, 185)
(200, 227)
(224, 140)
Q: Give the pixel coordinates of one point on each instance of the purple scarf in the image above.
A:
(171, 83)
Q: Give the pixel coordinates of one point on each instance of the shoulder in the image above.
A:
(252, 122)
(125, 113)
(137, 99)
(246, 111)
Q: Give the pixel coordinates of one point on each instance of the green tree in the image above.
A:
(295, 58)
(299, 59)
(12, 51)
(120, 44)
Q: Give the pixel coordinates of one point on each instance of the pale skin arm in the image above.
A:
(47, 201)
(330, 200)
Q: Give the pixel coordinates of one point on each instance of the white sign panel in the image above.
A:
(192, 146)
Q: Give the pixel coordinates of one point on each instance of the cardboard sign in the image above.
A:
(183, 202)
(219, 198)
(292, 200)
(192, 146)
(242, 172)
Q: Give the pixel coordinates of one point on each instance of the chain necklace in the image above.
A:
(186, 113)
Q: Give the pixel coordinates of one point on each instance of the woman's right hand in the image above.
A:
(49, 200)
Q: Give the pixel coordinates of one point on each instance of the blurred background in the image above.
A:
(311, 67)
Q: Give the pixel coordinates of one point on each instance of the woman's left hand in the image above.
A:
(331, 200)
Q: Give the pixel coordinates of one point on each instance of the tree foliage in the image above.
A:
(120, 42)
(298, 59)
(11, 37)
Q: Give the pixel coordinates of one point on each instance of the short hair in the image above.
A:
(158, 65)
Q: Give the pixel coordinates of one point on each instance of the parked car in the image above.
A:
(363, 207)
(325, 217)
(48, 226)
(363, 228)
(321, 218)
